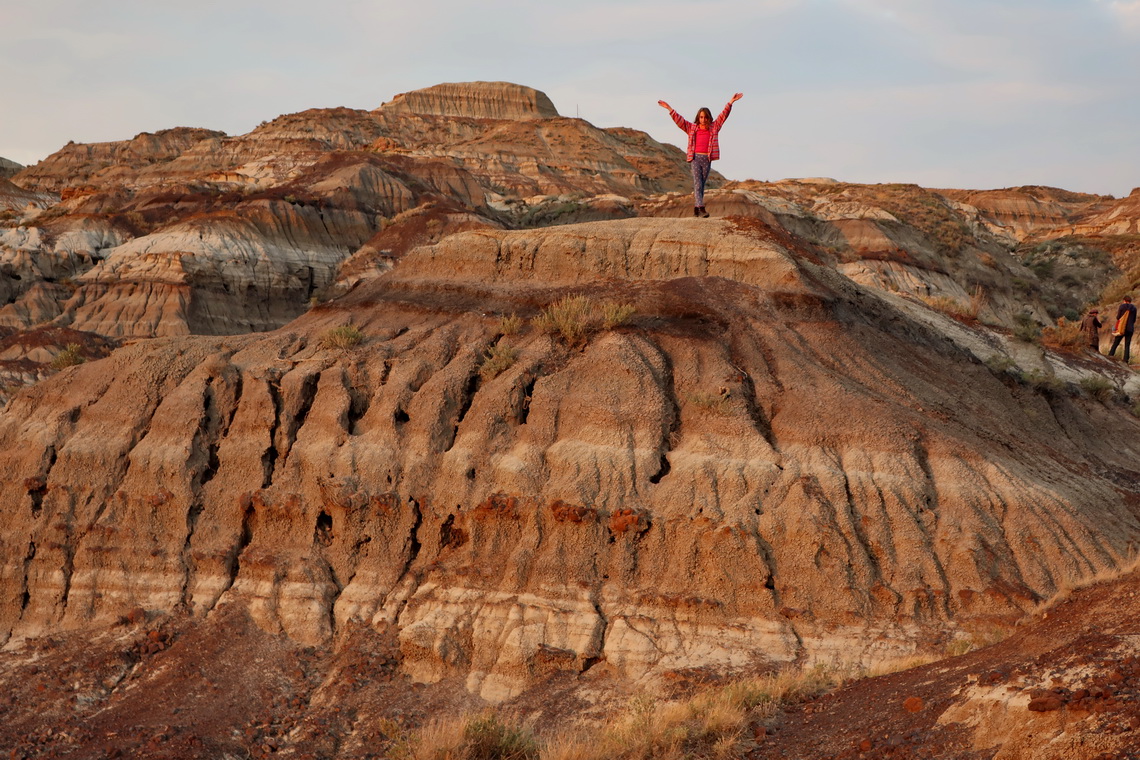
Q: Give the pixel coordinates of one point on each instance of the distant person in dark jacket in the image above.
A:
(1090, 328)
(704, 146)
(1125, 326)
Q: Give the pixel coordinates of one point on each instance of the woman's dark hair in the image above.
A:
(704, 111)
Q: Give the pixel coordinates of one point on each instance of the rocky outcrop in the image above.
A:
(478, 100)
(1024, 212)
(9, 168)
(761, 465)
(1119, 218)
(109, 163)
(15, 198)
(902, 240)
(192, 231)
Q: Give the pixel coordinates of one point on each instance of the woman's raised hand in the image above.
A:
(736, 97)
(663, 104)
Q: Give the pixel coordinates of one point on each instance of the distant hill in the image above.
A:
(8, 168)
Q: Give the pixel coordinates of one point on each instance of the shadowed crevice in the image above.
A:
(233, 556)
(359, 398)
(270, 455)
(307, 393)
(672, 435)
(467, 398)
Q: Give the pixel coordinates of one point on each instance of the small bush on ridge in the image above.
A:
(616, 314)
(343, 337)
(68, 357)
(509, 325)
(1098, 387)
(497, 358)
(569, 317)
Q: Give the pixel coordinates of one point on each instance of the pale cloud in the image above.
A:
(1126, 12)
(641, 21)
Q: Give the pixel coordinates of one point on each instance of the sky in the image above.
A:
(972, 94)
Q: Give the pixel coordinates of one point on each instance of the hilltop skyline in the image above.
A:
(974, 95)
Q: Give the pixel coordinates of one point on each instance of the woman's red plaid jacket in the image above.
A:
(691, 129)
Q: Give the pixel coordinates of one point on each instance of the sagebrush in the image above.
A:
(68, 357)
(496, 359)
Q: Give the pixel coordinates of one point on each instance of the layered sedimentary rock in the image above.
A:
(192, 231)
(902, 240)
(109, 163)
(765, 462)
(14, 198)
(9, 168)
(480, 100)
(1119, 218)
(1024, 212)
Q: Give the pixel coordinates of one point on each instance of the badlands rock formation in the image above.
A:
(483, 100)
(769, 443)
(191, 231)
(8, 168)
(768, 463)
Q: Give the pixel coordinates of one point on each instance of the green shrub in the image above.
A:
(1043, 383)
(343, 337)
(1000, 364)
(1026, 328)
(509, 325)
(616, 314)
(497, 359)
(570, 317)
(1098, 387)
(68, 357)
(1043, 268)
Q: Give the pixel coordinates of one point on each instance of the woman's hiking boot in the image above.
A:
(701, 212)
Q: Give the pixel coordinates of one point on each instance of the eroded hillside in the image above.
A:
(323, 400)
(766, 463)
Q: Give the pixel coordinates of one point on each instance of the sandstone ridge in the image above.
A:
(480, 100)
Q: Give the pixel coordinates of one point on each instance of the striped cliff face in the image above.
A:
(754, 461)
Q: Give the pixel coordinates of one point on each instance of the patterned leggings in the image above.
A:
(701, 167)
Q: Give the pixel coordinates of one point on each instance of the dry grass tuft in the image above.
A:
(509, 325)
(438, 740)
(569, 317)
(343, 337)
(1065, 335)
(957, 309)
(575, 318)
(616, 314)
(472, 737)
(713, 723)
(715, 403)
(1067, 587)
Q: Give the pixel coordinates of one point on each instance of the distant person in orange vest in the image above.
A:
(1125, 326)
(1090, 326)
(704, 146)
